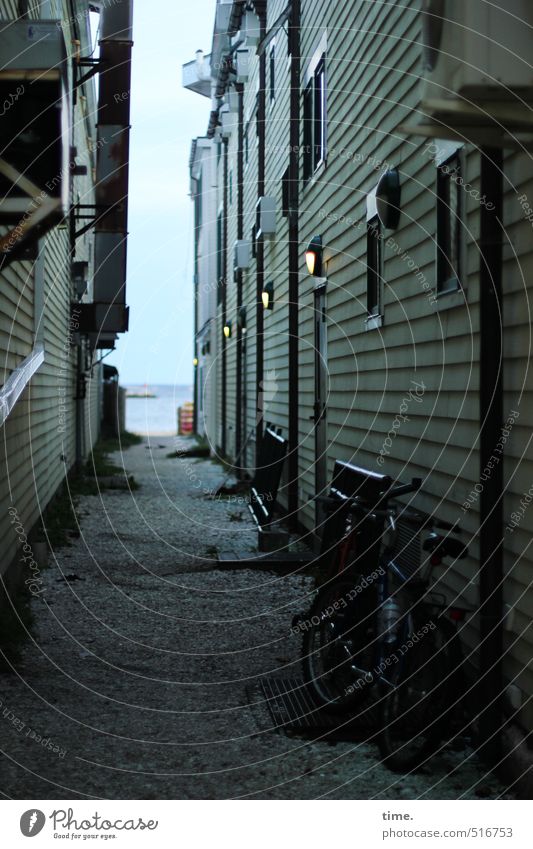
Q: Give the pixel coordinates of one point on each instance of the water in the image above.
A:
(156, 416)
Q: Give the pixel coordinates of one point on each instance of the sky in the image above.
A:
(158, 348)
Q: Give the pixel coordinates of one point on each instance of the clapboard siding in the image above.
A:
(373, 71)
(39, 436)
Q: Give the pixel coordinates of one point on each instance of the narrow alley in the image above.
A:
(141, 679)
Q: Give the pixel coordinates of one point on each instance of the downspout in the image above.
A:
(112, 166)
(491, 420)
(294, 261)
(80, 409)
(195, 279)
(224, 293)
(240, 235)
(260, 259)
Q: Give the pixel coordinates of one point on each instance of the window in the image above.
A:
(373, 266)
(220, 235)
(247, 145)
(199, 196)
(449, 214)
(315, 119)
(272, 73)
(285, 195)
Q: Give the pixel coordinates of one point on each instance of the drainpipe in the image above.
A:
(195, 348)
(240, 235)
(224, 293)
(294, 261)
(197, 225)
(491, 421)
(112, 167)
(80, 409)
(260, 258)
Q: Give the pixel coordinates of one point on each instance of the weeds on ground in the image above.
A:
(61, 517)
(99, 465)
(15, 623)
(199, 448)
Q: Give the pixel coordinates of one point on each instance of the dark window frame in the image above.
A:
(374, 268)
(246, 145)
(450, 209)
(272, 74)
(315, 120)
(220, 246)
(285, 193)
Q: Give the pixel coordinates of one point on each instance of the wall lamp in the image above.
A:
(227, 330)
(268, 296)
(195, 361)
(314, 256)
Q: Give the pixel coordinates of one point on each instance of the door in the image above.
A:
(321, 389)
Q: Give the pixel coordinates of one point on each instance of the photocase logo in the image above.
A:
(32, 822)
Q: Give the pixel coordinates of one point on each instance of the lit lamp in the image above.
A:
(195, 361)
(268, 296)
(313, 256)
(227, 330)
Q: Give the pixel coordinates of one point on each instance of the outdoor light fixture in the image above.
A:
(268, 296)
(195, 361)
(227, 330)
(242, 319)
(313, 256)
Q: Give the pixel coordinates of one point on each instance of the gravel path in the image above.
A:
(141, 680)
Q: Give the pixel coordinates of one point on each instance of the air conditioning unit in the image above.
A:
(474, 50)
(232, 100)
(242, 254)
(242, 65)
(251, 28)
(266, 217)
(229, 122)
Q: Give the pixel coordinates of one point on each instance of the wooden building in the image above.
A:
(367, 129)
(63, 210)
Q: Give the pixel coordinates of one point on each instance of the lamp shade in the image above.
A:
(268, 296)
(313, 256)
(227, 330)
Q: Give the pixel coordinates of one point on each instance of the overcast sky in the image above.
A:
(165, 118)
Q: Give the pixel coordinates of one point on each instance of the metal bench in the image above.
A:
(348, 481)
(265, 484)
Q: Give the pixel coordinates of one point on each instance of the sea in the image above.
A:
(156, 416)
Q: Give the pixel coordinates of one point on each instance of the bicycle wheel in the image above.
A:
(417, 698)
(338, 646)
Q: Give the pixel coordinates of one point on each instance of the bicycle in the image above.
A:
(377, 630)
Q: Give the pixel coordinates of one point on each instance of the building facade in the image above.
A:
(407, 352)
(62, 245)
